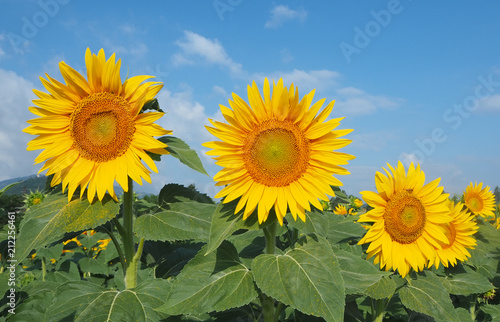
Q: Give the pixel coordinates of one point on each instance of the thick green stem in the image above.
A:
(131, 275)
(380, 306)
(44, 269)
(128, 236)
(128, 222)
(267, 301)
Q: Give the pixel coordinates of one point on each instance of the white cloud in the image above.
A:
(375, 141)
(490, 104)
(354, 101)
(16, 95)
(305, 80)
(220, 91)
(281, 14)
(184, 116)
(196, 48)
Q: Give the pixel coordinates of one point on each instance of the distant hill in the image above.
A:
(29, 183)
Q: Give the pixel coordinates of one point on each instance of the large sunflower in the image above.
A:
(277, 152)
(459, 232)
(479, 201)
(92, 131)
(409, 219)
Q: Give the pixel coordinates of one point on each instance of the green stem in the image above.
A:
(128, 223)
(379, 310)
(118, 248)
(472, 308)
(131, 275)
(267, 301)
(44, 269)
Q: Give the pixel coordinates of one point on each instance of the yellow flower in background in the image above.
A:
(103, 243)
(479, 201)
(340, 210)
(459, 232)
(91, 130)
(408, 219)
(358, 203)
(277, 152)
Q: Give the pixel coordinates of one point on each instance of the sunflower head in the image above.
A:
(409, 219)
(460, 233)
(340, 210)
(92, 131)
(480, 201)
(277, 151)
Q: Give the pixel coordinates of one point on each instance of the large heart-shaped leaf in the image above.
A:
(307, 278)
(216, 282)
(47, 222)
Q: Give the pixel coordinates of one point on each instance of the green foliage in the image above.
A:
(216, 282)
(180, 150)
(183, 221)
(307, 278)
(48, 221)
(203, 262)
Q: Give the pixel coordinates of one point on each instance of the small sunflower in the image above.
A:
(92, 131)
(479, 201)
(277, 152)
(408, 219)
(459, 232)
(340, 210)
(358, 203)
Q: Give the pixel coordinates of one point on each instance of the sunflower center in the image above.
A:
(102, 127)
(404, 217)
(276, 153)
(475, 203)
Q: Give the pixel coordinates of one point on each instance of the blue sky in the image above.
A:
(417, 81)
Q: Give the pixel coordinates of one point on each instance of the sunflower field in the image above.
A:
(279, 242)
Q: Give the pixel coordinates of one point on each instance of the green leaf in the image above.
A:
(307, 278)
(84, 301)
(171, 192)
(427, 295)
(467, 283)
(225, 223)
(47, 222)
(357, 272)
(180, 150)
(93, 266)
(317, 222)
(382, 289)
(184, 221)
(216, 282)
(343, 229)
(39, 297)
(7, 187)
(493, 311)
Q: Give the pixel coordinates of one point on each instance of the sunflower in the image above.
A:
(358, 203)
(92, 130)
(459, 232)
(277, 152)
(479, 201)
(408, 219)
(340, 210)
